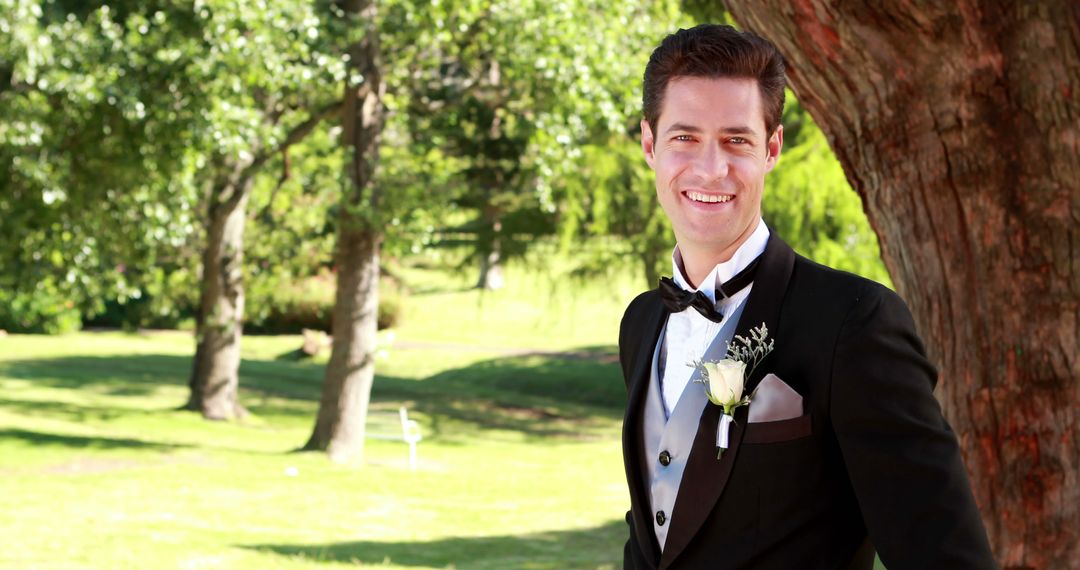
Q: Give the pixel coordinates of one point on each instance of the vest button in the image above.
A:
(665, 458)
(661, 518)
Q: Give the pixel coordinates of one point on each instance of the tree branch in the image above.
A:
(267, 211)
(297, 134)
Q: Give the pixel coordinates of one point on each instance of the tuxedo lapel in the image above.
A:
(650, 324)
(766, 298)
(705, 476)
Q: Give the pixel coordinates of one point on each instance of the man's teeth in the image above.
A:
(712, 198)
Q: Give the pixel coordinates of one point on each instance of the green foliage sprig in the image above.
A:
(751, 350)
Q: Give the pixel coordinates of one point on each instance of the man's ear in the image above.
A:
(647, 144)
(776, 143)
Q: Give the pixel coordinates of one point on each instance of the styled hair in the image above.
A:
(714, 51)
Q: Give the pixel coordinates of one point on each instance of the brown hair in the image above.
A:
(714, 51)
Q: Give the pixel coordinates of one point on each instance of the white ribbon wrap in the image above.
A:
(723, 429)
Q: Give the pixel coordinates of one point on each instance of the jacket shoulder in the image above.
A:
(849, 289)
(630, 331)
(639, 304)
(634, 313)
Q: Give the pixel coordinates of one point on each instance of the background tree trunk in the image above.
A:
(957, 123)
(648, 269)
(215, 373)
(491, 268)
(219, 323)
(491, 275)
(339, 428)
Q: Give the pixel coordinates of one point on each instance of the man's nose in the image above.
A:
(711, 163)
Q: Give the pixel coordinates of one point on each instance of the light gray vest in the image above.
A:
(675, 435)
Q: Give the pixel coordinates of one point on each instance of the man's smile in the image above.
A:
(708, 198)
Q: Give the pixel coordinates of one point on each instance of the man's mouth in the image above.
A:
(709, 198)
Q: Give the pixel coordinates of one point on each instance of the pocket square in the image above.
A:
(773, 401)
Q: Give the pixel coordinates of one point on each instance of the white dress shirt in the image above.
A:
(688, 333)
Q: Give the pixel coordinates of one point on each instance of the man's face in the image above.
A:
(710, 152)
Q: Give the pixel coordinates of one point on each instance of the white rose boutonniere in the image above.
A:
(724, 383)
(725, 379)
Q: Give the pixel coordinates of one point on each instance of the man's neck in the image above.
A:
(698, 262)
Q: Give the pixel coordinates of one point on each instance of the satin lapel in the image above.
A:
(651, 323)
(705, 477)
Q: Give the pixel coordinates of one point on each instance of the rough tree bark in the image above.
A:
(339, 428)
(215, 379)
(219, 322)
(958, 124)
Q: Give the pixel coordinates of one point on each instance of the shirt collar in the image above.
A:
(747, 252)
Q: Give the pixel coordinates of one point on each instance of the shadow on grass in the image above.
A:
(143, 374)
(538, 394)
(572, 395)
(585, 548)
(70, 411)
(135, 375)
(38, 438)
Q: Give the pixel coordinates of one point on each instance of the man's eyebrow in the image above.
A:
(738, 130)
(683, 127)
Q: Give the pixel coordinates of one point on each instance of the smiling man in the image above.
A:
(842, 449)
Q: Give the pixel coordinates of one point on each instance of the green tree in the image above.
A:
(94, 184)
(486, 118)
(127, 122)
(340, 425)
(259, 75)
(289, 238)
(810, 204)
(513, 91)
(612, 203)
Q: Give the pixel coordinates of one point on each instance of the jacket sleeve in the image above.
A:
(901, 455)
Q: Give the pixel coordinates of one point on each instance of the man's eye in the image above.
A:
(737, 140)
(683, 138)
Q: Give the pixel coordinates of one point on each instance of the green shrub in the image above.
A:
(280, 305)
(165, 299)
(390, 306)
(45, 309)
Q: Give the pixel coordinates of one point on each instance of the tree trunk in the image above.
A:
(957, 123)
(648, 269)
(339, 428)
(491, 274)
(219, 323)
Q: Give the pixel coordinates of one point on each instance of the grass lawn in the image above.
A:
(517, 392)
(519, 402)
(518, 468)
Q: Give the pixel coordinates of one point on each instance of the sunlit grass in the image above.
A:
(520, 466)
(541, 306)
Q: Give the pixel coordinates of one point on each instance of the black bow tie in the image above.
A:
(677, 300)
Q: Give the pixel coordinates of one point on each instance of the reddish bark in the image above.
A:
(958, 125)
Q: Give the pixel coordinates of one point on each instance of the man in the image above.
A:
(842, 449)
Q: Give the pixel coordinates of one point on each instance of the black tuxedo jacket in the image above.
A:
(871, 465)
